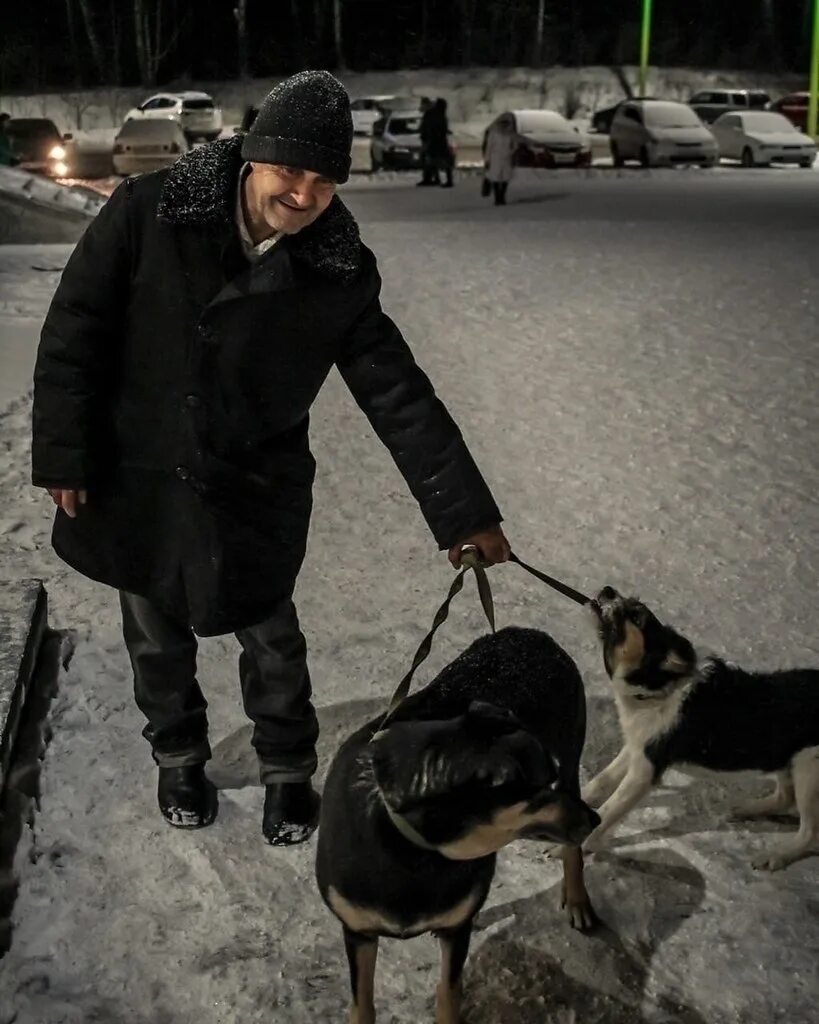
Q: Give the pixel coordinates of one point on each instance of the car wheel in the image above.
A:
(708, 164)
(616, 155)
(645, 159)
(748, 157)
(807, 164)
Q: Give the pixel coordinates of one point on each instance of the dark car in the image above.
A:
(795, 107)
(709, 104)
(38, 145)
(601, 119)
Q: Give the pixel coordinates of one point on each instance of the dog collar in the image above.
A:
(404, 827)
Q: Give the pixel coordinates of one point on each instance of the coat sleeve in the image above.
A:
(400, 403)
(77, 346)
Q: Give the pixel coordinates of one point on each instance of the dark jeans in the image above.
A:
(499, 188)
(275, 685)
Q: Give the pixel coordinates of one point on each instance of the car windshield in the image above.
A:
(405, 125)
(399, 103)
(765, 122)
(197, 104)
(154, 129)
(670, 115)
(31, 128)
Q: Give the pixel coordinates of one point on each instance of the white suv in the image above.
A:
(195, 112)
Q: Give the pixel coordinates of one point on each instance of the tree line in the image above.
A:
(125, 42)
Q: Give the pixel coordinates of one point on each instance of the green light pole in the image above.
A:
(813, 103)
(645, 41)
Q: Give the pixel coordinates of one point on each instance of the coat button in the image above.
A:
(193, 401)
(183, 472)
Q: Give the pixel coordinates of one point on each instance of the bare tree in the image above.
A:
(97, 49)
(240, 14)
(337, 35)
(72, 37)
(541, 14)
(468, 11)
(148, 32)
(772, 40)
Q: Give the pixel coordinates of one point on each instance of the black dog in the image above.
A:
(412, 815)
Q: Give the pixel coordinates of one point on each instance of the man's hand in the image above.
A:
(67, 499)
(491, 543)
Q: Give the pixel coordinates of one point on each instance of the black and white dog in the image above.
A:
(674, 711)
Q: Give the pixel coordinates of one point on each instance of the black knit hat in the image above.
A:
(304, 122)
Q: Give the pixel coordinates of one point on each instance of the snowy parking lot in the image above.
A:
(633, 359)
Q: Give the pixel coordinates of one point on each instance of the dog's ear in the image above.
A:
(487, 719)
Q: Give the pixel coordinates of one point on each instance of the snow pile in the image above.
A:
(475, 95)
(34, 188)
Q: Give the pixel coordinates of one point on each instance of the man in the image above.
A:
(429, 172)
(192, 329)
(7, 157)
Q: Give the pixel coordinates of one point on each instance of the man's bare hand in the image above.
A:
(491, 543)
(67, 499)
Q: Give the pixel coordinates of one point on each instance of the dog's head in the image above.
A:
(470, 785)
(638, 650)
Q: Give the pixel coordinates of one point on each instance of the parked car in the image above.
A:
(147, 146)
(195, 112)
(37, 145)
(396, 142)
(369, 109)
(761, 136)
(661, 132)
(601, 119)
(794, 106)
(709, 104)
(546, 139)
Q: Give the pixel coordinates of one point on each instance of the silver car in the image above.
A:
(148, 146)
(760, 137)
(396, 141)
(661, 133)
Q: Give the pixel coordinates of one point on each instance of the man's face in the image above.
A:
(289, 198)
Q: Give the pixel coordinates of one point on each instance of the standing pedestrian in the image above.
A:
(501, 143)
(439, 147)
(193, 327)
(429, 173)
(7, 157)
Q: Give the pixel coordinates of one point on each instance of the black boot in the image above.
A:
(187, 797)
(290, 813)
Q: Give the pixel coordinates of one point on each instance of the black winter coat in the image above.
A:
(174, 380)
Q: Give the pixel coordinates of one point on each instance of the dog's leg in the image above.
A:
(604, 784)
(806, 792)
(361, 955)
(638, 781)
(454, 948)
(575, 900)
(778, 802)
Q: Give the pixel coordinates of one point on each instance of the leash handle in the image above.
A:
(470, 559)
(561, 588)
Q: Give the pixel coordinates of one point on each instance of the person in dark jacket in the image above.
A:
(439, 148)
(7, 157)
(193, 327)
(429, 172)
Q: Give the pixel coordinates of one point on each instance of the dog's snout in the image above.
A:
(607, 594)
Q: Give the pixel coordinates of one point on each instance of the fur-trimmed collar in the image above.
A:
(201, 189)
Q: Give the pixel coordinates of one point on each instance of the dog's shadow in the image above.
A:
(234, 764)
(534, 969)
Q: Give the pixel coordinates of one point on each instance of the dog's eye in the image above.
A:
(639, 617)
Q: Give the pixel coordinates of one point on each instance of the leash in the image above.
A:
(470, 560)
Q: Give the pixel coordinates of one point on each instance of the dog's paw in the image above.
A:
(581, 915)
(553, 851)
(772, 860)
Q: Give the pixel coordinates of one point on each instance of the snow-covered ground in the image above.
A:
(637, 375)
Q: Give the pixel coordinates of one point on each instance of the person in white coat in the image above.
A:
(501, 143)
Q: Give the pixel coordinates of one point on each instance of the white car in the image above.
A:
(148, 146)
(396, 141)
(195, 112)
(761, 136)
(546, 139)
(367, 110)
(660, 133)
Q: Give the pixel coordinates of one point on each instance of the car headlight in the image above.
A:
(56, 153)
(61, 169)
